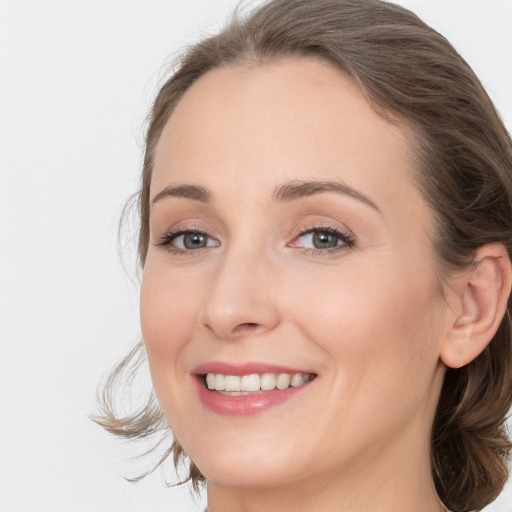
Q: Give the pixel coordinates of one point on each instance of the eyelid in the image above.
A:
(348, 241)
(167, 239)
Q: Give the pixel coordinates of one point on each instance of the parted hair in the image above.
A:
(411, 75)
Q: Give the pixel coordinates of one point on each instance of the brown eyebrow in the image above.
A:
(286, 192)
(186, 191)
(298, 189)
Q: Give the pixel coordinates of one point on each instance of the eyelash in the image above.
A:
(347, 241)
(167, 241)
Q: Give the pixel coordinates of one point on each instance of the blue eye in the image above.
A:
(326, 239)
(320, 240)
(186, 241)
(192, 240)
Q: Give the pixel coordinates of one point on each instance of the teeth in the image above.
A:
(231, 383)
(268, 381)
(220, 382)
(297, 380)
(283, 381)
(210, 380)
(250, 382)
(235, 385)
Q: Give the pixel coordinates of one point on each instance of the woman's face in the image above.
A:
(288, 239)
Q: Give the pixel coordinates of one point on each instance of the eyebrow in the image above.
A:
(287, 192)
(299, 189)
(186, 191)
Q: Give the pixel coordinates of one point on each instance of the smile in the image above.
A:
(248, 389)
(239, 385)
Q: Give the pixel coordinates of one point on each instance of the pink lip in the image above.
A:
(244, 369)
(244, 405)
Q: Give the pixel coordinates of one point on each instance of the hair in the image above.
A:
(463, 166)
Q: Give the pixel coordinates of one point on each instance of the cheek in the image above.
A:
(372, 318)
(377, 331)
(168, 311)
(168, 315)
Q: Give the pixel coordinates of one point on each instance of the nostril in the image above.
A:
(248, 326)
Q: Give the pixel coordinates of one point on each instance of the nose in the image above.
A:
(241, 300)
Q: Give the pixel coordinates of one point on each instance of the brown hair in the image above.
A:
(408, 72)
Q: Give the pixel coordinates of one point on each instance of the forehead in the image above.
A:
(298, 118)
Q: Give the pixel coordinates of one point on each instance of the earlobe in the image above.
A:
(482, 293)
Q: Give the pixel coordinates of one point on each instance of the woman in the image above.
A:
(325, 241)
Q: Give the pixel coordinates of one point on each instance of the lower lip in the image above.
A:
(245, 405)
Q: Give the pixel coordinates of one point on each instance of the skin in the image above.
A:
(369, 319)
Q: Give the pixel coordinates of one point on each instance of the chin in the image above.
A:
(242, 463)
(253, 473)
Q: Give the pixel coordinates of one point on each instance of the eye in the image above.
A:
(192, 240)
(186, 241)
(325, 239)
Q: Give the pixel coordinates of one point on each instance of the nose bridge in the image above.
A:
(241, 298)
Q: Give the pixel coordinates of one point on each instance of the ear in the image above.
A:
(481, 295)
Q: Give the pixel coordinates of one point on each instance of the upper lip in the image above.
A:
(248, 368)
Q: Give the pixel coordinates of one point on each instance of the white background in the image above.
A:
(76, 81)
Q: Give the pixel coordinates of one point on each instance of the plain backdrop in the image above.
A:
(76, 81)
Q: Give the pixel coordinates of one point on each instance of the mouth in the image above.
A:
(254, 383)
(234, 390)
